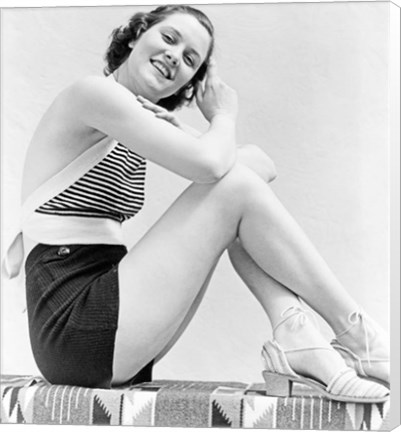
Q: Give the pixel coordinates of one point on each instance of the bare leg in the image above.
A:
(292, 260)
(272, 295)
(161, 276)
(275, 298)
(188, 317)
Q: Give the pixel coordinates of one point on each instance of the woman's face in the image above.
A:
(166, 56)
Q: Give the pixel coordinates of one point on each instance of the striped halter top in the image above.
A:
(112, 189)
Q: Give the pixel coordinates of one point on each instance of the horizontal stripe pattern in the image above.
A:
(114, 189)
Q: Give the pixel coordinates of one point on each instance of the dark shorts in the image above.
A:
(73, 301)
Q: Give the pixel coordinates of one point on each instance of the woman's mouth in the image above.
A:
(162, 68)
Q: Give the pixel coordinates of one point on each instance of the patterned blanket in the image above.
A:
(27, 399)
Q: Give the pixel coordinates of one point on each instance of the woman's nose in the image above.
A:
(172, 58)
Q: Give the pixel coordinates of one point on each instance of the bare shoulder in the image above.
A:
(66, 113)
(92, 82)
(80, 95)
(94, 88)
(98, 99)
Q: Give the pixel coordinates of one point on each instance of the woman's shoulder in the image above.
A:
(94, 93)
(92, 85)
(93, 80)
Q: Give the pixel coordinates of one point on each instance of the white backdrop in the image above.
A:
(312, 80)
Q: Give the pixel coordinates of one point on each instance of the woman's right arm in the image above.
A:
(106, 106)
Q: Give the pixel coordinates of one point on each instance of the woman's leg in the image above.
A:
(188, 317)
(276, 298)
(162, 275)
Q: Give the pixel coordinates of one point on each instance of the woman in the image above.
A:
(100, 315)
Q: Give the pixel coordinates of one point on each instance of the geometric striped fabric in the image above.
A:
(113, 189)
(27, 399)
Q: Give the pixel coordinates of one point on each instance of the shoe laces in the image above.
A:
(353, 319)
(299, 314)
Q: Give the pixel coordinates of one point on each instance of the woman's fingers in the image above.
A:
(212, 68)
(199, 92)
(159, 111)
(212, 75)
(168, 117)
(150, 106)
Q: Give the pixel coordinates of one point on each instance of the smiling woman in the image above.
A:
(179, 40)
(197, 33)
(100, 314)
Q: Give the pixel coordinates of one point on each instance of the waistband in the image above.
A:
(57, 230)
(60, 230)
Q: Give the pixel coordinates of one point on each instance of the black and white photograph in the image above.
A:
(199, 215)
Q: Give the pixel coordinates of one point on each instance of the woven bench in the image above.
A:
(28, 399)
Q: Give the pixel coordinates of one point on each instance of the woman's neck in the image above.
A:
(122, 76)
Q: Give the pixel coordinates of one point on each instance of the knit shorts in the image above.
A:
(73, 302)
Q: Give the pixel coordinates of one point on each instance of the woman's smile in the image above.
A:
(163, 69)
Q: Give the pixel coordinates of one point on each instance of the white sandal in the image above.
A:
(354, 361)
(344, 386)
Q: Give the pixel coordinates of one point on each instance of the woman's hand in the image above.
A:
(163, 114)
(159, 111)
(216, 97)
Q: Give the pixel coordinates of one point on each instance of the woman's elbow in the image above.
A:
(213, 171)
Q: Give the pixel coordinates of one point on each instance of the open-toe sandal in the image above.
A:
(344, 385)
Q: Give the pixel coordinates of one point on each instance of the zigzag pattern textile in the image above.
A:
(27, 399)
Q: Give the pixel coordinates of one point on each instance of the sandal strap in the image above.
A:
(340, 347)
(275, 359)
(353, 360)
(299, 314)
(346, 382)
(353, 319)
(307, 349)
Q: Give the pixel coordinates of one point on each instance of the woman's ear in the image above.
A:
(131, 44)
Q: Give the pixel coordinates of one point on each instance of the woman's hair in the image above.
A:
(119, 50)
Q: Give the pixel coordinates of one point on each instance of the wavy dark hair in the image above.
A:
(119, 50)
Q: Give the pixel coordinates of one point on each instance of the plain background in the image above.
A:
(313, 86)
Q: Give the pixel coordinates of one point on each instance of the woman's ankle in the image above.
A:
(363, 334)
(293, 335)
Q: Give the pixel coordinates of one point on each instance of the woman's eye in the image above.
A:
(168, 38)
(189, 60)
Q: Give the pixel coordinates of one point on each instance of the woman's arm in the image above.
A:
(107, 106)
(249, 155)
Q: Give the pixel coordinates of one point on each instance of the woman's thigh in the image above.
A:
(161, 276)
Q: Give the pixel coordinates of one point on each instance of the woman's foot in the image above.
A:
(365, 346)
(299, 353)
(297, 332)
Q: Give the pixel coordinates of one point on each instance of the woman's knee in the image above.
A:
(241, 181)
(258, 161)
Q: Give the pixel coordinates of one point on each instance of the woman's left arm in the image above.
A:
(249, 155)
